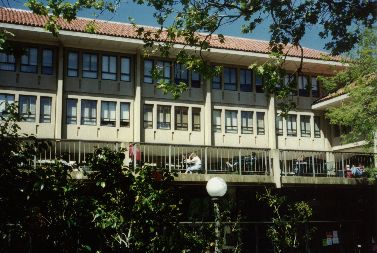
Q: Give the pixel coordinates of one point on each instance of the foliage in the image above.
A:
(359, 81)
(290, 230)
(371, 174)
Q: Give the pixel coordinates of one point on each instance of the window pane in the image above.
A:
(216, 81)
(108, 110)
(216, 120)
(124, 114)
(303, 86)
(72, 69)
(7, 62)
(88, 112)
(27, 107)
(71, 111)
(260, 123)
(305, 126)
(195, 119)
(246, 77)
(180, 73)
(29, 60)
(247, 122)
(5, 100)
(195, 79)
(47, 62)
(89, 68)
(279, 125)
(317, 127)
(259, 84)
(163, 68)
(231, 121)
(292, 125)
(230, 79)
(45, 110)
(148, 66)
(148, 116)
(109, 67)
(125, 69)
(315, 89)
(181, 118)
(163, 117)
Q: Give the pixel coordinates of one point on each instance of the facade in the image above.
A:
(83, 90)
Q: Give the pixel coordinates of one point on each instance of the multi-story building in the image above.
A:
(83, 90)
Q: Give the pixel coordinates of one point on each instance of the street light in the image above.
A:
(216, 188)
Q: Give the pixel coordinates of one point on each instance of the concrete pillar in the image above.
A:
(208, 114)
(59, 95)
(272, 141)
(137, 116)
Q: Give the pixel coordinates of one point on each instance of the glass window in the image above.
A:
(303, 86)
(163, 116)
(247, 122)
(45, 110)
(181, 118)
(216, 120)
(5, 99)
(148, 67)
(289, 80)
(47, 62)
(231, 121)
(195, 79)
(125, 69)
(71, 111)
(73, 64)
(317, 127)
(89, 65)
(260, 123)
(7, 62)
(259, 84)
(279, 125)
(108, 112)
(305, 126)
(109, 67)
(230, 79)
(196, 119)
(292, 125)
(148, 116)
(163, 68)
(29, 60)
(124, 114)
(216, 81)
(180, 73)
(27, 107)
(315, 88)
(88, 112)
(246, 80)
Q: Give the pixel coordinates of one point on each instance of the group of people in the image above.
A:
(355, 171)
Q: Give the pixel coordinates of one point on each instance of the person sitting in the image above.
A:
(196, 163)
(357, 171)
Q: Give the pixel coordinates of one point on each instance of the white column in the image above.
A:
(59, 95)
(137, 101)
(208, 114)
(272, 143)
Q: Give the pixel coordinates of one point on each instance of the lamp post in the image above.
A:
(216, 188)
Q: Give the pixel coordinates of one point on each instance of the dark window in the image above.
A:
(195, 79)
(73, 64)
(279, 125)
(195, 119)
(246, 80)
(303, 86)
(89, 65)
(181, 118)
(5, 100)
(108, 112)
(315, 87)
(29, 60)
(305, 126)
(230, 79)
(45, 110)
(7, 62)
(148, 116)
(317, 127)
(216, 120)
(109, 67)
(260, 123)
(163, 69)
(125, 69)
(88, 112)
(163, 116)
(290, 81)
(71, 111)
(292, 125)
(336, 130)
(247, 122)
(148, 68)
(259, 84)
(47, 62)
(180, 73)
(27, 107)
(216, 81)
(231, 121)
(124, 114)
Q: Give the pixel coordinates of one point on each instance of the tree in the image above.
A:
(359, 81)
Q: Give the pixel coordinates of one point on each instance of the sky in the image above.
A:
(143, 15)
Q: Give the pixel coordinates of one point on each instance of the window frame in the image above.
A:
(8, 62)
(28, 67)
(232, 128)
(92, 68)
(229, 83)
(42, 117)
(291, 125)
(247, 128)
(165, 124)
(216, 127)
(108, 121)
(47, 69)
(315, 92)
(244, 85)
(261, 130)
(70, 68)
(125, 74)
(125, 122)
(92, 121)
(181, 111)
(195, 112)
(179, 70)
(259, 84)
(317, 127)
(6, 100)
(29, 116)
(148, 124)
(305, 127)
(111, 74)
(145, 75)
(69, 118)
(279, 125)
(195, 83)
(303, 86)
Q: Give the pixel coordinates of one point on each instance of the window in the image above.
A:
(89, 65)
(246, 77)
(109, 67)
(180, 73)
(5, 99)
(195, 79)
(289, 80)
(230, 79)
(47, 62)
(279, 125)
(216, 120)
(260, 123)
(71, 111)
(148, 116)
(216, 81)
(317, 127)
(148, 67)
(303, 86)
(163, 68)
(108, 112)
(88, 112)
(7, 62)
(247, 122)
(27, 107)
(315, 89)
(231, 121)
(292, 125)
(259, 84)
(29, 60)
(195, 119)
(181, 118)
(163, 113)
(45, 110)
(305, 126)
(124, 114)
(336, 130)
(125, 69)
(73, 64)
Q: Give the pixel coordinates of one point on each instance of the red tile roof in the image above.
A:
(22, 17)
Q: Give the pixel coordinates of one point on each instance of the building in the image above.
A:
(83, 90)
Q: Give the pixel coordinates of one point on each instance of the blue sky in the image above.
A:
(144, 15)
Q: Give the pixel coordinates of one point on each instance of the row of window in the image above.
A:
(164, 117)
(231, 121)
(305, 125)
(89, 113)
(27, 107)
(30, 60)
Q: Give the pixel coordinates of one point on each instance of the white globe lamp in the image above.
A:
(216, 187)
